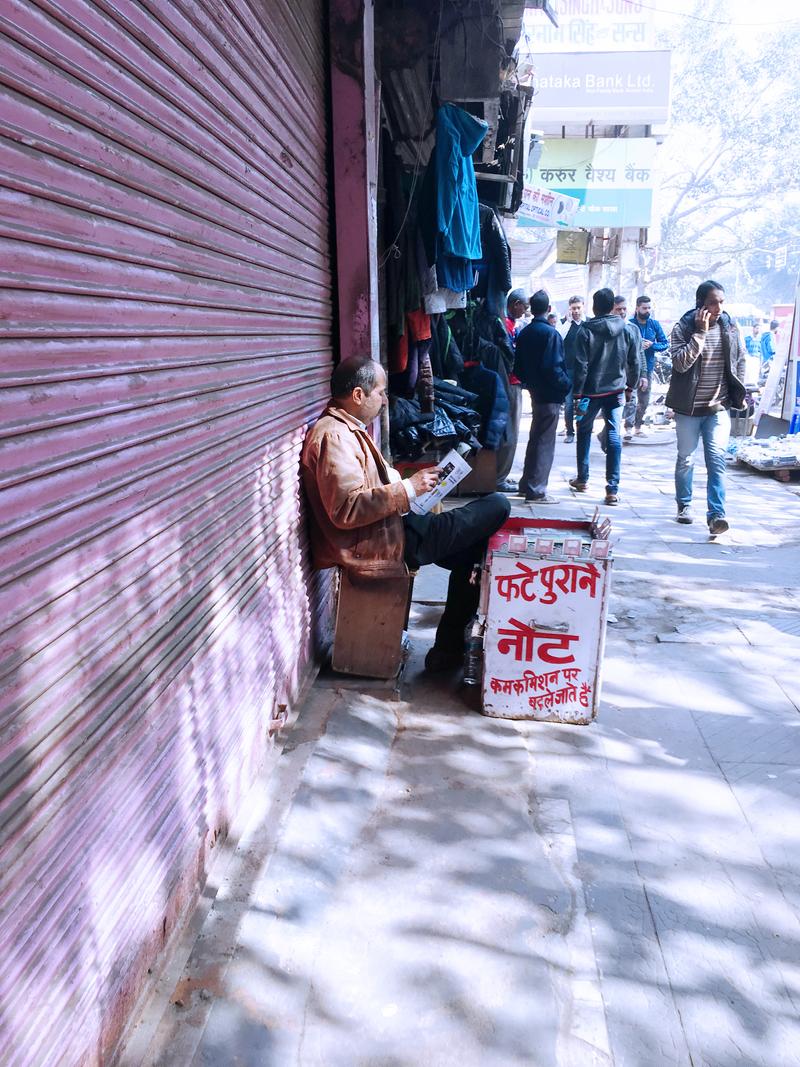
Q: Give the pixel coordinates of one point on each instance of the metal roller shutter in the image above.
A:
(166, 337)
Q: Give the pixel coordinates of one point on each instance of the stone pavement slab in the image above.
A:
(427, 887)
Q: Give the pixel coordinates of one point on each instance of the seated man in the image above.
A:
(360, 508)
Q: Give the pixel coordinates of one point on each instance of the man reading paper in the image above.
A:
(360, 508)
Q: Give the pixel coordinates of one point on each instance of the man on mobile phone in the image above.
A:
(708, 368)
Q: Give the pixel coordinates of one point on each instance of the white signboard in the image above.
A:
(609, 87)
(545, 627)
(589, 25)
(551, 209)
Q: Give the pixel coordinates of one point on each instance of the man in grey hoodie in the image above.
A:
(606, 367)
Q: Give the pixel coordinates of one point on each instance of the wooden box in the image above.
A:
(370, 618)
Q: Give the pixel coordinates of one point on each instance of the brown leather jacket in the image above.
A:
(355, 510)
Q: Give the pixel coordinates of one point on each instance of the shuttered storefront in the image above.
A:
(165, 326)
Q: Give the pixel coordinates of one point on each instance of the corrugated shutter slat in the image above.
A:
(165, 338)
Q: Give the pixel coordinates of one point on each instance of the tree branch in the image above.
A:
(693, 272)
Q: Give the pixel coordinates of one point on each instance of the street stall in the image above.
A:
(542, 618)
(779, 456)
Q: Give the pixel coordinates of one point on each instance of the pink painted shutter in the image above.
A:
(165, 332)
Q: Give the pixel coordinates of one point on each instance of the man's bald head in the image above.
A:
(357, 372)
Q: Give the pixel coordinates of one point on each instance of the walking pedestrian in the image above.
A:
(653, 340)
(621, 309)
(753, 341)
(540, 367)
(708, 367)
(568, 329)
(606, 366)
(768, 346)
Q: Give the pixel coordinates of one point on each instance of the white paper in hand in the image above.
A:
(453, 469)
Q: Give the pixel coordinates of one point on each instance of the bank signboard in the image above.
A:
(612, 178)
(602, 87)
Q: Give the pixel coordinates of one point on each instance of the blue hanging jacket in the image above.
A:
(458, 134)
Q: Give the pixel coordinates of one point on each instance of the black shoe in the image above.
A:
(439, 660)
(717, 525)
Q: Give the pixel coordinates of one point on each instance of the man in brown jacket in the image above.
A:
(360, 508)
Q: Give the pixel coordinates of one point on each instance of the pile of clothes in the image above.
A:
(448, 270)
(455, 417)
(770, 453)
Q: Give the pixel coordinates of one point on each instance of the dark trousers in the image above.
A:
(642, 400)
(569, 412)
(455, 540)
(541, 449)
(507, 451)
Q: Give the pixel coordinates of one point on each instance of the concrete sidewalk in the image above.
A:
(421, 886)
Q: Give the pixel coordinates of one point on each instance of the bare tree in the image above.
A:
(733, 155)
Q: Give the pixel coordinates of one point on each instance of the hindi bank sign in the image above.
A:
(612, 178)
(602, 87)
(590, 25)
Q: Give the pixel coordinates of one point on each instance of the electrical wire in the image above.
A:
(711, 22)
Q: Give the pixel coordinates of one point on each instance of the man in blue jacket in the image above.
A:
(653, 340)
(768, 346)
(539, 365)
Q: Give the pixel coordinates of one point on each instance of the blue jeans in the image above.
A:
(611, 407)
(715, 431)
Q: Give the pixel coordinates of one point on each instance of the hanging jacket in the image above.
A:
(493, 329)
(494, 268)
(492, 404)
(446, 358)
(458, 134)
